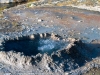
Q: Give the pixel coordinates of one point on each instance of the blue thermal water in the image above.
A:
(49, 45)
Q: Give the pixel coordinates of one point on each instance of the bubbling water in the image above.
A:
(49, 45)
(46, 45)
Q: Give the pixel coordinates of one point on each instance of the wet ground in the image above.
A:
(77, 23)
(69, 23)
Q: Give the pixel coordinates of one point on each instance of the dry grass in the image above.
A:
(2, 8)
(90, 2)
(32, 0)
(79, 2)
(75, 2)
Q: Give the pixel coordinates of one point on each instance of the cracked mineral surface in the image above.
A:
(49, 40)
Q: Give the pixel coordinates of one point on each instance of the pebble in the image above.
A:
(40, 20)
(31, 5)
(80, 21)
(31, 36)
(98, 28)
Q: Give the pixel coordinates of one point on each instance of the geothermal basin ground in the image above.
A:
(49, 40)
